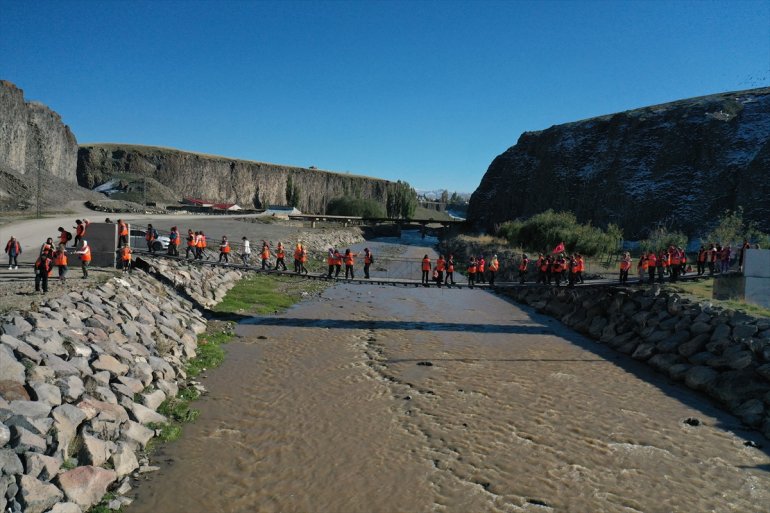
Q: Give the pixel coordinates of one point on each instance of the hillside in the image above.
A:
(678, 164)
(250, 184)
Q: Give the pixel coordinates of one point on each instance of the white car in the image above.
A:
(137, 240)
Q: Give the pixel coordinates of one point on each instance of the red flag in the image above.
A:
(559, 248)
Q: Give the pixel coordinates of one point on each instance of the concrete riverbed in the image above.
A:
(379, 399)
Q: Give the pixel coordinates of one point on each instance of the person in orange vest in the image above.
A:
(641, 267)
(524, 264)
(151, 235)
(572, 267)
(330, 260)
(581, 266)
(661, 265)
(303, 260)
(47, 246)
(265, 255)
(60, 261)
(683, 261)
(450, 270)
(674, 264)
(542, 268)
(43, 267)
(298, 258)
(64, 236)
(224, 250)
(200, 245)
(711, 256)
(625, 265)
(125, 258)
(349, 262)
(191, 239)
(425, 270)
(80, 232)
(472, 268)
(494, 266)
(368, 261)
(558, 266)
(280, 257)
(173, 241)
(481, 265)
(85, 257)
(440, 268)
(652, 262)
(122, 233)
(337, 262)
(13, 248)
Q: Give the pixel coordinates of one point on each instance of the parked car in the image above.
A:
(137, 240)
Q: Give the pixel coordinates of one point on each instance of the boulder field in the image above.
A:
(722, 353)
(82, 378)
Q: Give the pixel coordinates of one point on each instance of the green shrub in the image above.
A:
(661, 238)
(542, 232)
(732, 229)
(347, 206)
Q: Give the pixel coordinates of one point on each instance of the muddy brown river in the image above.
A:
(379, 399)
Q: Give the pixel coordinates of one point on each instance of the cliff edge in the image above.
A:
(679, 164)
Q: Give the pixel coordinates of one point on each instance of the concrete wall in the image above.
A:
(103, 239)
(756, 269)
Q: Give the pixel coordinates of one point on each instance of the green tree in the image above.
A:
(347, 206)
(402, 201)
(732, 229)
(292, 193)
(661, 238)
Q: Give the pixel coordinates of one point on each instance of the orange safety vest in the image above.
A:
(337, 258)
(652, 260)
(451, 266)
(303, 256)
(557, 266)
(191, 240)
(472, 268)
(122, 229)
(80, 230)
(494, 265)
(440, 265)
(125, 254)
(329, 260)
(298, 254)
(63, 238)
(349, 258)
(60, 258)
(149, 236)
(224, 247)
(426, 264)
(280, 253)
(645, 264)
(481, 264)
(367, 258)
(524, 264)
(86, 255)
(625, 265)
(544, 265)
(265, 253)
(581, 265)
(201, 243)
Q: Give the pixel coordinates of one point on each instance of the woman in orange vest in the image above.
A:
(625, 265)
(652, 262)
(125, 258)
(368, 260)
(80, 231)
(330, 261)
(122, 233)
(349, 262)
(480, 268)
(224, 250)
(303, 260)
(557, 267)
(337, 262)
(200, 246)
(542, 269)
(440, 268)
(494, 266)
(265, 255)
(425, 270)
(60, 261)
(85, 257)
(298, 258)
(450, 270)
(472, 267)
(524, 264)
(280, 255)
(173, 241)
(581, 266)
(191, 238)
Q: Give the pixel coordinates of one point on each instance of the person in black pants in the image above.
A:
(43, 266)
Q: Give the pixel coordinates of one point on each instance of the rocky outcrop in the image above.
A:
(221, 179)
(680, 164)
(724, 353)
(33, 137)
(82, 380)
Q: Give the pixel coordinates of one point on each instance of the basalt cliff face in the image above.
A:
(249, 184)
(679, 164)
(33, 137)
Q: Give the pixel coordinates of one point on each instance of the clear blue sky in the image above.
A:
(428, 92)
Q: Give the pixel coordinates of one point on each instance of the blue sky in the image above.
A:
(427, 92)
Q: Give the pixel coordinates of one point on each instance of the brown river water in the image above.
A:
(336, 411)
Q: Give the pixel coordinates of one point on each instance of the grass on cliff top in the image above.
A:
(261, 294)
(704, 289)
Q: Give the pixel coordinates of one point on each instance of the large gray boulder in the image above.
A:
(10, 368)
(86, 485)
(37, 496)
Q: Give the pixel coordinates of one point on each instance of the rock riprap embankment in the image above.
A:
(82, 378)
(721, 352)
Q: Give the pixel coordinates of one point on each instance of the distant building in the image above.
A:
(197, 202)
(228, 207)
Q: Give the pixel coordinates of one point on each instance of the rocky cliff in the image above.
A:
(679, 164)
(249, 184)
(33, 137)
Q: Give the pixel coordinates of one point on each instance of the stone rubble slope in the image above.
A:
(720, 352)
(81, 380)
